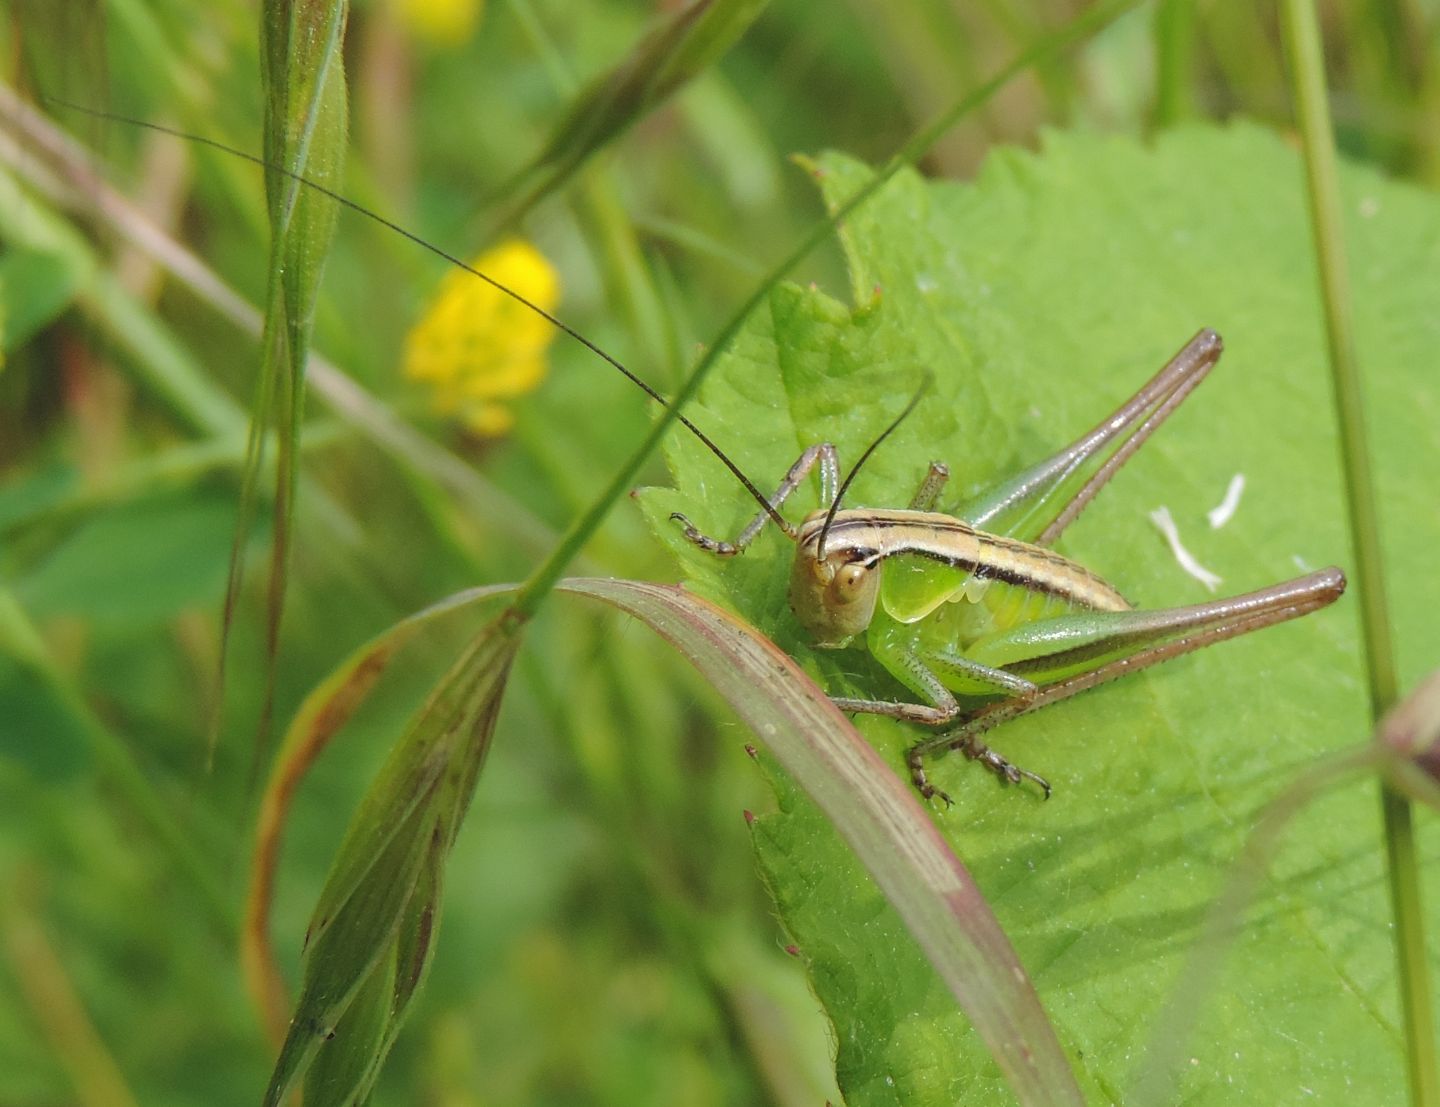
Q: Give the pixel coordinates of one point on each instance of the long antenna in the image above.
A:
(351, 205)
(854, 469)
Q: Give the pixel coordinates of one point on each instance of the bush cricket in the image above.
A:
(971, 604)
(974, 604)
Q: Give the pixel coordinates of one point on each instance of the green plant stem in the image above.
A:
(1307, 75)
(1174, 58)
(543, 579)
(1308, 82)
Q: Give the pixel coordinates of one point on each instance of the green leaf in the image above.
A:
(138, 563)
(1040, 296)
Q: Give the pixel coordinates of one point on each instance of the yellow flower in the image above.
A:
(440, 22)
(478, 347)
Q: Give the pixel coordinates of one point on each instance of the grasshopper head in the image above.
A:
(834, 596)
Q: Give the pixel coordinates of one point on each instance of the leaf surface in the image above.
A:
(1040, 296)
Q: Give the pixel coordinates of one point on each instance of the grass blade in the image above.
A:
(324, 713)
(376, 913)
(343, 960)
(303, 79)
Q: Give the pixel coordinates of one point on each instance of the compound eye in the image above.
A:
(850, 582)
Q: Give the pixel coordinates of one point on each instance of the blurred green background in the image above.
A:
(605, 939)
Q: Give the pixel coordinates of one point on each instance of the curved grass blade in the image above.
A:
(303, 78)
(877, 814)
